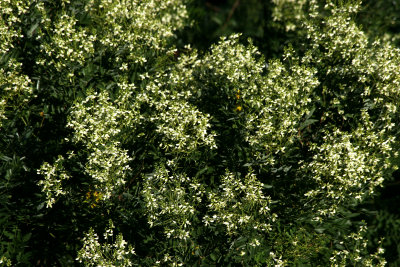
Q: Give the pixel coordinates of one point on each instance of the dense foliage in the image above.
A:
(150, 133)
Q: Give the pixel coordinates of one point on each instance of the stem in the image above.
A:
(235, 5)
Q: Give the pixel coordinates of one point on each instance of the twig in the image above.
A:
(211, 6)
(235, 5)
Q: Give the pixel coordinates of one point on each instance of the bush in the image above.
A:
(218, 157)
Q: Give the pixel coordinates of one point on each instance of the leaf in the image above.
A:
(40, 206)
(310, 113)
(201, 171)
(8, 234)
(213, 256)
(267, 186)
(217, 20)
(307, 123)
(26, 237)
(5, 158)
(32, 29)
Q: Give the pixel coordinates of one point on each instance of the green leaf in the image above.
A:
(32, 29)
(201, 171)
(267, 186)
(307, 123)
(213, 256)
(26, 237)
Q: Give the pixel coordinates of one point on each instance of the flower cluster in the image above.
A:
(350, 164)
(181, 126)
(171, 201)
(115, 253)
(16, 87)
(53, 178)
(240, 205)
(355, 251)
(344, 169)
(11, 11)
(68, 46)
(283, 101)
(288, 14)
(135, 27)
(97, 123)
(4, 261)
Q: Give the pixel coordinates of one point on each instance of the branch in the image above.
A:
(235, 5)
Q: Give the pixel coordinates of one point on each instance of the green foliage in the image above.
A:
(381, 19)
(242, 154)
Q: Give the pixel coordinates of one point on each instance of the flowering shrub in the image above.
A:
(217, 157)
